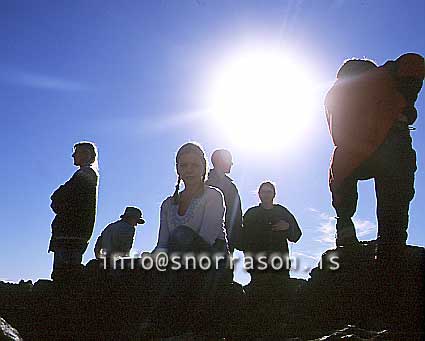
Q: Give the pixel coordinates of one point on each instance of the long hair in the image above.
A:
(189, 147)
(91, 149)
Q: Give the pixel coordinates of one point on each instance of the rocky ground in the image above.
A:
(365, 299)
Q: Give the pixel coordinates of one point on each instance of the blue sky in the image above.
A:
(135, 77)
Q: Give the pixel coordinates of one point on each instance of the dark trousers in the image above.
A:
(184, 240)
(192, 291)
(67, 263)
(392, 166)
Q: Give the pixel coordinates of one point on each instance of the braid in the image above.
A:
(189, 147)
(176, 192)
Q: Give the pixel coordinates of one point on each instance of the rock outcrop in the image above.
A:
(349, 293)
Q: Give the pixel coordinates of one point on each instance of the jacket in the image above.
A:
(257, 230)
(116, 239)
(361, 111)
(233, 216)
(75, 206)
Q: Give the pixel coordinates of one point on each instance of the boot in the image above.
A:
(345, 233)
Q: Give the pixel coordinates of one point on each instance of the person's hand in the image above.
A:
(281, 225)
(53, 206)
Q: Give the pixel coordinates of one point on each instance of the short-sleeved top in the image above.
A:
(205, 215)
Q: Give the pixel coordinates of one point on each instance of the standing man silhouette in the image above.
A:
(222, 162)
(74, 203)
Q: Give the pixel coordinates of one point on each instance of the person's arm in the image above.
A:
(85, 189)
(212, 223)
(77, 193)
(125, 239)
(164, 232)
(60, 196)
(248, 228)
(294, 231)
(98, 247)
(408, 72)
(281, 225)
(236, 237)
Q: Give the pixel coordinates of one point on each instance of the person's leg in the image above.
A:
(66, 263)
(395, 188)
(393, 198)
(75, 263)
(219, 276)
(59, 264)
(344, 200)
(184, 239)
(183, 287)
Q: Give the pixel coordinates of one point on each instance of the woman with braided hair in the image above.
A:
(192, 220)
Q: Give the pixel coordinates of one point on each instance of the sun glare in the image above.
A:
(262, 101)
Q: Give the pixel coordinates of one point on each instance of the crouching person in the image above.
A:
(191, 223)
(116, 240)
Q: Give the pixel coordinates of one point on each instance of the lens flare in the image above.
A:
(262, 101)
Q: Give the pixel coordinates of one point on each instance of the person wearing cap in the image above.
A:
(217, 177)
(116, 240)
(369, 110)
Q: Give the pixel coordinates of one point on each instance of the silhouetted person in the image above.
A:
(75, 206)
(222, 162)
(369, 110)
(192, 222)
(266, 231)
(116, 240)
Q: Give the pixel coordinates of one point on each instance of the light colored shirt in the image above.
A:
(205, 215)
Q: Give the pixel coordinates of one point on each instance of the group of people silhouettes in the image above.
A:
(368, 109)
(206, 216)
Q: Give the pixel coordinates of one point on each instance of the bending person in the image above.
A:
(116, 240)
(369, 110)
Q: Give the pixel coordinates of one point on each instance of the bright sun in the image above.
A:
(262, 101)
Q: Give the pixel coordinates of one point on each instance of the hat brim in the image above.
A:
(140, 221)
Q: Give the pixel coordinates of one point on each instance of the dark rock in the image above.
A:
(355, 289)
(367, 292)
